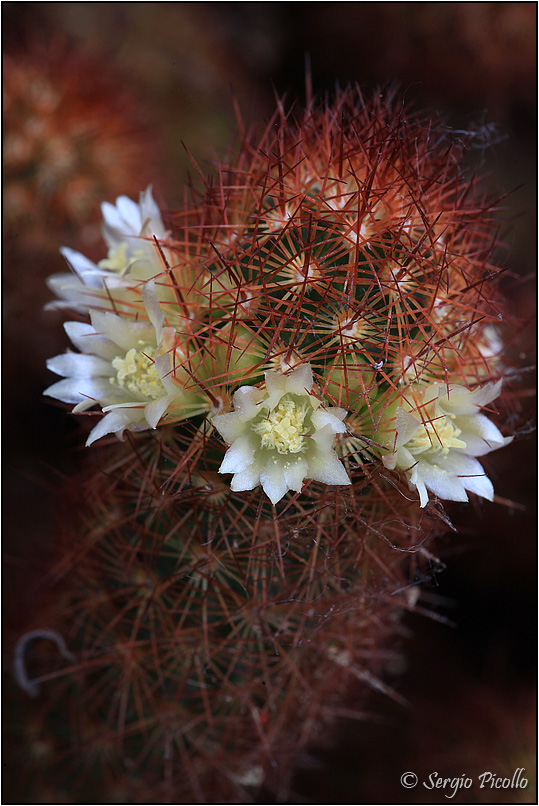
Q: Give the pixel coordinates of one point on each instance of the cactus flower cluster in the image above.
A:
(349, 269)
(269, 371)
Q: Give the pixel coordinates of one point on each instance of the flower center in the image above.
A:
(137, 372)
(282, 428)
(118, 260)
(440, 435)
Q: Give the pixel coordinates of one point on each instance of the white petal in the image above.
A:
(153, 309)
(300, 380)
(84, 337)
(272, 400)
(245, 402)
(238, 457)
(116, 422)
(123, 332)
(120, 220)
(63, 305)
(111, 216)
(480, 435)
(459, 400)
(273, 481)
(79, 365)
(432, 393)
(84, 405)
(422, 490)
(324, 438)
(166, 343)
(69, 287)
(230, 426)
(58, 283)
(406, 426)
(390, 461)
(248, 479)
(155, 410)
(490, 392)
(326, 468)
(148, 205)
(336, 411)
(133, 408)
(163, 367)
(82, 390)
(294, 473)
(459, 464)
(442, 483)
(405, 460)
(100, 395)
(80, 334)
(480, 485)
(275, 383)
(151, 214)
(86, 269)
(326, 417)
(469, 472)
(130, 214)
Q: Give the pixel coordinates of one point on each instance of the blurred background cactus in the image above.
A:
(70, 142)
(345, 238)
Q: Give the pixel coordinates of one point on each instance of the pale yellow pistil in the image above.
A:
(282, 429)
(440, 435)
(137, 372)
(116, 259)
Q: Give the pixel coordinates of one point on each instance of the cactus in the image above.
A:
(320, 320)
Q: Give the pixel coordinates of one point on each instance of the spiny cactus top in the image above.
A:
(325, 303)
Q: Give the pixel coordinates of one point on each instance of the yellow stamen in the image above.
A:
(116, 259)
(440, 435)
(282, 428)
(136, 371)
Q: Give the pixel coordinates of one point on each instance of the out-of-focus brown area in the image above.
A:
(175, 70)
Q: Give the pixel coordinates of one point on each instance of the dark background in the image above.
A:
(470, 686)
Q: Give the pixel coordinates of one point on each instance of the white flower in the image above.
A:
(125, 366)
(133, 258)
(127, 221)
(282, 436)
(436, 437)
